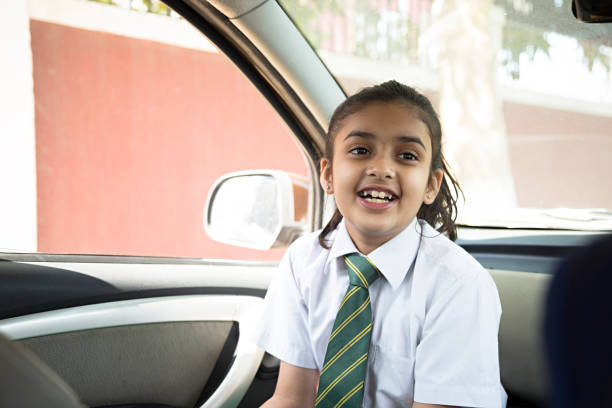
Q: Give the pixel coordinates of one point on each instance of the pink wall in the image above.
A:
(559, 158)
(131, 134)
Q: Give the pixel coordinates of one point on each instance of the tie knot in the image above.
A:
(361, 271)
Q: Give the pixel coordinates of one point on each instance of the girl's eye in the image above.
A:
(358, 151)
(408, 156)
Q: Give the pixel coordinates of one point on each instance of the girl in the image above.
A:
(379, 309)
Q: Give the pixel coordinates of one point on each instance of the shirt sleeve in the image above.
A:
(457, 360)
(283, 329)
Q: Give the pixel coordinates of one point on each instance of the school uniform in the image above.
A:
(435, 317)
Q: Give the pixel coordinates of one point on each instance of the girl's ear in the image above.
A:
(326, 176)
(433, 187)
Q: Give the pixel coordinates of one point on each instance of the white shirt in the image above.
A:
(435, 317)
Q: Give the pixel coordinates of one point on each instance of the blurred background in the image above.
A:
(117, 116)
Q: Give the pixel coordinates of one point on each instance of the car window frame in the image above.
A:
(306, 131)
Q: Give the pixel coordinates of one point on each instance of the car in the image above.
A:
(159, 157)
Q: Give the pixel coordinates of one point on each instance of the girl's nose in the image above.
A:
(381, 167)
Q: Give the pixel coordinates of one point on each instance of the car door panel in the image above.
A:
(142, 333)
(168, 363)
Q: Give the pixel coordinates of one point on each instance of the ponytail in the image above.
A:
(331, 225)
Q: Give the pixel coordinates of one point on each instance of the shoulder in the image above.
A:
(443, 254)
(306, 247)
(306, 253)
(448, 265)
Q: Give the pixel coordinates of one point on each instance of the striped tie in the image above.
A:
(343, 373)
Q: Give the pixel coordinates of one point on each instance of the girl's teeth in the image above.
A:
(373, 195)
(375, 200)
(379, 194)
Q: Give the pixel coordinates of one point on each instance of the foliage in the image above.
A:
(306, 14)
(518, 41)
(528, 25)
(593, 52)
(529, 22)
(368, 20)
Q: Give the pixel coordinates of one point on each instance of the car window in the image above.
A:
(123, 116)
(524, 92)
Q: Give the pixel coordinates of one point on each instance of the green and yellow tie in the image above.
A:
(343, 373)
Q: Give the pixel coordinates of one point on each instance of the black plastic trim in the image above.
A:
(312, 47)
(532, 252)
(222, 366)
(518, 263)
(28, 289)
(127, 259)
(210, 22)
(242, 62)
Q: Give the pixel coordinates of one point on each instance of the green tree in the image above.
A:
(530, 22)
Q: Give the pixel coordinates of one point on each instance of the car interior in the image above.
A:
(144, 331)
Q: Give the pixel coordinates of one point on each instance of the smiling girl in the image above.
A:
(381, 308)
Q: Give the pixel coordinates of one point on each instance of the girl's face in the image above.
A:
(380, 172)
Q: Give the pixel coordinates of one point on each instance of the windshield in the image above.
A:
(524, 93)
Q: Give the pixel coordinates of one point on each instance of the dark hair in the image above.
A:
(441, 214)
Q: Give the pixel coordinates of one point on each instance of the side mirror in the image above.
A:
(259, 209)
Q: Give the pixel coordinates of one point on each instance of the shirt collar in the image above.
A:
(393, 258)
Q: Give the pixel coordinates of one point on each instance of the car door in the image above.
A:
(115, 285)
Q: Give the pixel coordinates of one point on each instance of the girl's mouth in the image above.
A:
(376, 199)
(376, 196)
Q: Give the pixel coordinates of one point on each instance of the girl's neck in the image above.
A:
(366, 243)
